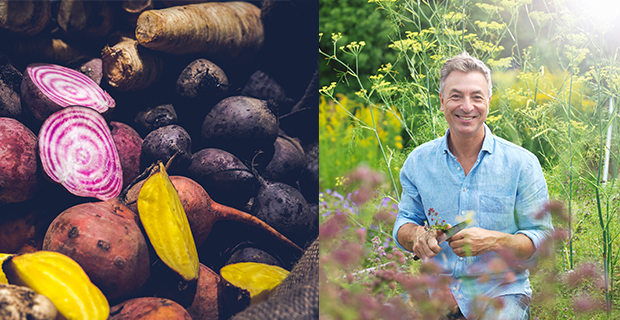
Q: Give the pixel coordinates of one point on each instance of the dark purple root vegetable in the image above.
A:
(129, 145)
(202, 79)
(309, 179)
(90, 67)
(285, 209)
(10, 83)
(250, 252)
(164, 143)
(157, 117)
(262, 86)
(85, 19)
(287, 162)
(225, 178)
(77, 150)
(25, 17)
(47, 88)
(18, 161)
(240, 125)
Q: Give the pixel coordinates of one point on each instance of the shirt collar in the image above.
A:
(487, 144)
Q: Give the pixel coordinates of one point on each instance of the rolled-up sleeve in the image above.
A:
(410, 208)
(530, 206)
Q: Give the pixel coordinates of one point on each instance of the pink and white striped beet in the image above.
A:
(77, 150)
(47, 88)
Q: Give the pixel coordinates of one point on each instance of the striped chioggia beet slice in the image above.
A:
(77, 150)
(51, 87)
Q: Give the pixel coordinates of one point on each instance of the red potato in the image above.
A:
(106, 240)
(18, 162)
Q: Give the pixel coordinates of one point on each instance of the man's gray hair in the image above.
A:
(464, 63)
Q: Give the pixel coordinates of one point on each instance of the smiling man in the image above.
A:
(470, 169)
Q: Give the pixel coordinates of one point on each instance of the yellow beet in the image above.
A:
(62, 280)
(3, 257)
(166, 225)
(257, 278)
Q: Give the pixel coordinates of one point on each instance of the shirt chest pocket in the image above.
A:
(496, 213)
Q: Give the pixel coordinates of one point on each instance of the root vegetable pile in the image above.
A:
(142, 145)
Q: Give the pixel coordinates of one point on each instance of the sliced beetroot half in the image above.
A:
(47, 88)
(77, 150)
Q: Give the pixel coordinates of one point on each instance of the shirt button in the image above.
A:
(454, 288)
(461, 258)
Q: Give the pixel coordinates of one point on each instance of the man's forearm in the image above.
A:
(519, 244)
(407, 235)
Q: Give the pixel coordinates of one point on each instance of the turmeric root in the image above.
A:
(231, 30)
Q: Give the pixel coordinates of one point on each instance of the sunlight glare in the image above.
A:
(602, 10)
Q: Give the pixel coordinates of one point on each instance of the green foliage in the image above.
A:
(357, 20)
(553, 75)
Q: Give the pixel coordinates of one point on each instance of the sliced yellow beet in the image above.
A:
(258, 278)
(166, 225)
(3, 257)
(62, 280)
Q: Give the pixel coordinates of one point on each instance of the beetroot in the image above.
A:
(47, 88)
(240, 125)
(286, 210)
(148, 308)
(225, 178)
(287, 162)
(202, 212)
(77, 150)
(18, 161)
(164, 143)
(129, 145)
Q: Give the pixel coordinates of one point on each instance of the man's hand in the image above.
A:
(476, 241)
(426, 246)
(420, 241)
(473, 241)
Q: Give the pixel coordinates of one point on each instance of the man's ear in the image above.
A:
(441, 102)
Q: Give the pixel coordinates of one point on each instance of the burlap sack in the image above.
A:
(297, 297)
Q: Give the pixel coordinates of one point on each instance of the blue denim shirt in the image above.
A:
(505, 188)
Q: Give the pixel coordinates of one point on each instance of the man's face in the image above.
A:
(465, 102)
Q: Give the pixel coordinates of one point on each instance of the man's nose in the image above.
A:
(467, 105)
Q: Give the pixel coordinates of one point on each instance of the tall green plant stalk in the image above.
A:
(355, 49)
